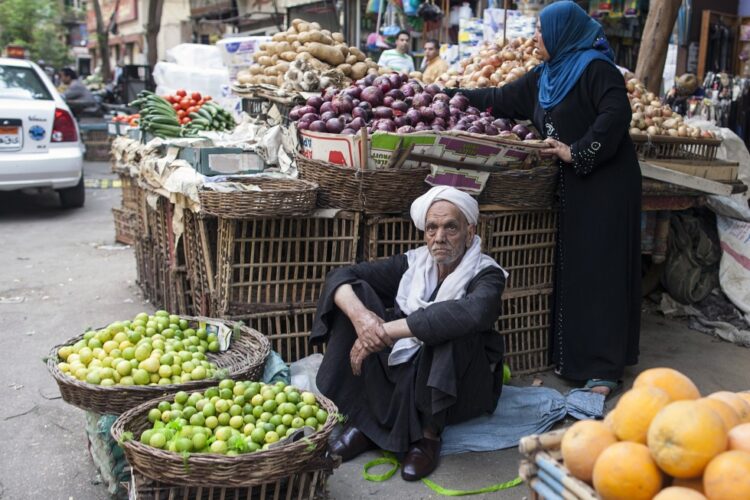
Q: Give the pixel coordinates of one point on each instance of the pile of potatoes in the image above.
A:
(494, 65)
(307, 58)
(651, 117)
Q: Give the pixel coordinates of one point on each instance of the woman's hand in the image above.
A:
(557, 148)
(370, 331)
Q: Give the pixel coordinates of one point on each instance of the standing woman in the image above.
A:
(577, 99)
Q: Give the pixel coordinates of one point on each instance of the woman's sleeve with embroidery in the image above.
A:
(606, 89)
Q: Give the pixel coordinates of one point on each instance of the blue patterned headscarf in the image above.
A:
(573, 40)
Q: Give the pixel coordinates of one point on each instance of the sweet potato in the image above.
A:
(325, 53)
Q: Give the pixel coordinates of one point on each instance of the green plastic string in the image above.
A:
(389, 458)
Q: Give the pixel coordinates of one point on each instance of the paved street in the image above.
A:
(62, 272)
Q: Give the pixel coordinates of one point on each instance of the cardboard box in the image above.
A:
(238, 51)
(452, 149)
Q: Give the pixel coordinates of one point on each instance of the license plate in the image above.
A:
(11, 135)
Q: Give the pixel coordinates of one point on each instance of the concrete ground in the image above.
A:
(62, 272)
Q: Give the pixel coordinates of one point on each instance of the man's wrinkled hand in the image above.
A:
(357, 356)
(370, 332)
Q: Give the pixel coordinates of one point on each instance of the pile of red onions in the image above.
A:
(395, 103)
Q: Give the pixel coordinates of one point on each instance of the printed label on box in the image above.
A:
(467, 180)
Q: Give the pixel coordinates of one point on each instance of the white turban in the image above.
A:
(464, 202)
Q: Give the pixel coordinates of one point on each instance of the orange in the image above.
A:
(635, 410)
(679, 493)
(727, 476)
(582, 444)
(674, 383)
(694, 483)
(684, 437)
(609, 421)
(739, 438)
(726, 412)
(626, 471)
(741, 406)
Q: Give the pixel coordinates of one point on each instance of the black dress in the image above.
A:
(455, 376)
(596, 315)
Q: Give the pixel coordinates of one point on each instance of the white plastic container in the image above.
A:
(238, 51)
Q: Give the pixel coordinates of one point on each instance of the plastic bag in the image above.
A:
(305, 371)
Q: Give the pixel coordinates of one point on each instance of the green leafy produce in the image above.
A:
(156, 349)
(233, 418)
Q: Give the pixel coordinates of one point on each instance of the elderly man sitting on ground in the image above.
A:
(411, 345)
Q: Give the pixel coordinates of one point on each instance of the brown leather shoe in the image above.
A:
(351, 443)
(422, 459)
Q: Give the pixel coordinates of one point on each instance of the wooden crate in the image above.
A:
(199, 244)
(524, 324)
(266, 264)
(675, 148)
(307, 484)
(131, 192)
(288, 330)
(126, 225)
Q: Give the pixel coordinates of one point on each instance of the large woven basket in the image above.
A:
(244, 359)
(204, 469)
(277, 197)
(375, 191)
(521, 188)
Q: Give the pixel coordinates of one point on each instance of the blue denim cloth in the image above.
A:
(276, 370)
(521, 411)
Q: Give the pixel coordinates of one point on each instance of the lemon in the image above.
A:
(271, 437)
(107, 382)
(158, 440)
(165, 371)
(236, 422)
(128, 380)
(142, 352)
(85, 355)
(93, 377)
(308, 398)
(123, 367)
(64, 352)
(218, 447)
(151, 365)
(198, 373)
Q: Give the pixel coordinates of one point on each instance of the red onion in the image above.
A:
(309, 117)
(413, 116)
(294, 113)
(348, 131)
(432, 89)
(383, 112)
(490, 130)
(422, 126)
(361, 112)
(399, 106)
(459, 101)
(520, 130)
(352, 91)
(441, 109)
(474, 130)
(388, 100)
(396, 94)
(401, 121)
(406, 129)
(427, 114)
(438, 121)
(372, 95)
(334, 126)
(383, 83)
(342, 104)
(357, 123)
(422, 99)
(328, 115)
(395, 80)
(303, 125)
(387, 125)
(531, 136)
(503, 124)
(441, 97)
(315, 101)
(369, 79)
(318, 126)
(326, 106)
(407, 90)
(472, 111)
(437, 128)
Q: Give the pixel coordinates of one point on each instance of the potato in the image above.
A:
(256, 69)
(325, 53)
(260, 53)
(265, 61)
(296, 45)
(282, 67)
(271, 71)
(326, 39)
(346, 69)
(337, 37)
(356, 52)
(280, 80)
(279, 37)
(292, 38)
(303, 27)
(315, 26)
(326, 32)
(264, 46)
(359, 70)
(351, 59)
(244, 78)
(296, 22)
(303, 56)
(288, 56)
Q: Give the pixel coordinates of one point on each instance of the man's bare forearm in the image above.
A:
(348, 302)
(398, 329)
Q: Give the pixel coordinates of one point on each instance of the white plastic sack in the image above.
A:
(734, 269)
(305, 371)
(171, 76)
(732, 147)
(196, 55)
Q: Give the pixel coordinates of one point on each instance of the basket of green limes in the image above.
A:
(239, 433)
(126, 363)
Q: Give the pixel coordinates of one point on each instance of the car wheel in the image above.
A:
(73, 197)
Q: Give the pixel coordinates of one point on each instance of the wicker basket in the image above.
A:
(126, 225)
(521, 188)
(543, 471)
(199, 245)
(203, 469)
(277, 198)
(244, 359)
(678, 148)
(374, 191)
(306, 484)
(524, 324)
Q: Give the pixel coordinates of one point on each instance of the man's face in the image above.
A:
(430, 51)
(402, 43)
(65, 78)
(447, 233)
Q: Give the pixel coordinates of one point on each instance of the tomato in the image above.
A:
(196, 96)
(169, 99)
(180, 113)
(185, 120)
(185, 103)
(192, 109)
(133, 122)
(181, 93)
(207, 98)
(176, 106)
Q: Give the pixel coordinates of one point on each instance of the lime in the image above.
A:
(165, 371)
(201, 333)
(225, 394)
(239, 389)
(128, 380)
(107, 382)
(212, 422)
(209, 410)
(227, 383)
(158, 440)
(308, 398)
(213, 346)
(321, 416)
(219, 447)
(266, 416)
(197, 419)
(298, 422)
(146, 436)
(258, 435)
(123, 367)
(224, 418)
(199, 440)
(270, 405)
(257, 400)
(271, 437)
(153, 415)
(257, 411)
(287, 420)
(248, 419)
(184, 444)
(280, 398)
(222, 406)
(235, 410)
(140, 377)
(275, 420)
(235, 422)
(247, 429)
(198, 373)
(64, 352)
(290, 431)
(239, 400)
(93, 377)
(268, 394)
(306, 411)
(293, 397)
(252, 446)
(312, 422)
(189, 411)
(281, 430)
(268, 427)
(223, 433)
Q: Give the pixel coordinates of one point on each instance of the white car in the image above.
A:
(40, 143)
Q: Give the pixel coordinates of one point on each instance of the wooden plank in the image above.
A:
(673, 177)
(720, 173)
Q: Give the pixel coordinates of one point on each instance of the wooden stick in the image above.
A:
(698, 183)
(537, 442)
(562, 475)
